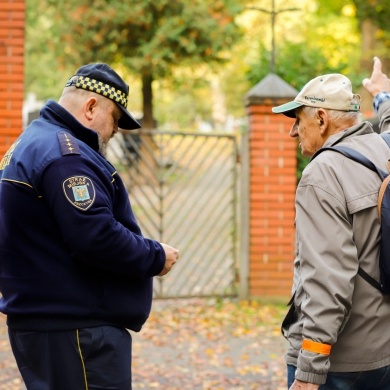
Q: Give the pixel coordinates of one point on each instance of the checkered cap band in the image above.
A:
(102, 89)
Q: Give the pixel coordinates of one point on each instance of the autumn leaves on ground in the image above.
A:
(210, 345)
(197, 345)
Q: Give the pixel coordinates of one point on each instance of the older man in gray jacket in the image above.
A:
(339, 325)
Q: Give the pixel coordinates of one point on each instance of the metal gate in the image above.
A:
(183, 189)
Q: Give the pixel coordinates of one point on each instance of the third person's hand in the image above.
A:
(378, 82)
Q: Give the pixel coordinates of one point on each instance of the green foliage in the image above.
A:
(378, 11)
(43, 75)
(146, 38)
(178, 42)
(369, 12)
(296, 64)
(309, 49)
(146, 35)
(326, 7)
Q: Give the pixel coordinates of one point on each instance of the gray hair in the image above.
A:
(336, 115)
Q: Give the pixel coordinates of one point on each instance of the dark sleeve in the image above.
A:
(95, 218)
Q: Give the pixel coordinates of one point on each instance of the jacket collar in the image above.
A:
(359, 129)
(59, 116)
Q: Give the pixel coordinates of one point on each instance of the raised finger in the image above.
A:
(377, 67)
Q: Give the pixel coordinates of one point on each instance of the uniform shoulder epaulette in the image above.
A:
(68, 144)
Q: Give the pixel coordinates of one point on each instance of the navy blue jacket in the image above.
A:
(71, 252)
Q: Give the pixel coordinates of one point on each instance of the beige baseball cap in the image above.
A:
(332, 91)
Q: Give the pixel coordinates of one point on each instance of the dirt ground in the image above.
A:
(196, 345)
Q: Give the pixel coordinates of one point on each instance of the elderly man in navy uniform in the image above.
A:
(75, 270)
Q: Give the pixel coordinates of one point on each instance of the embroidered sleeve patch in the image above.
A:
(80, 191)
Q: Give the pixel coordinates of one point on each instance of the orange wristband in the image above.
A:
(313, 346)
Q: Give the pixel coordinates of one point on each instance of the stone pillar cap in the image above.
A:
(272, 89)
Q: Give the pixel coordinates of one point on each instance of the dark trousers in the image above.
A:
(81, 359)
(378, 379)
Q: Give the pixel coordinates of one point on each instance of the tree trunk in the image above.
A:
(369, 43)
(147, 100)
(147, 123)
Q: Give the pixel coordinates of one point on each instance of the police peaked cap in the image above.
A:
(102, 79)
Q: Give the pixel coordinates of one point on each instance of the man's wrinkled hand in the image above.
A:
(171, 257)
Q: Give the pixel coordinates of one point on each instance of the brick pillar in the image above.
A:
(12, 17)
(272, 185)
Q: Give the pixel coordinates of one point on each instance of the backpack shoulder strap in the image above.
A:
(360, 158)
(370, 280)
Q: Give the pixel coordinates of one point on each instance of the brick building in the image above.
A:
(12, 18)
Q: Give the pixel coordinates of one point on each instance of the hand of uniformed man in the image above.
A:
(171, 256)
(378, 82)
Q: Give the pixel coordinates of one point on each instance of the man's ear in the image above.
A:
(323, 120)
(90, 107)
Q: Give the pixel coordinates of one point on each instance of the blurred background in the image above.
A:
(190, 63)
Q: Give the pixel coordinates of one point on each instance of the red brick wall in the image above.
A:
(273, 167)
(12, 17)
